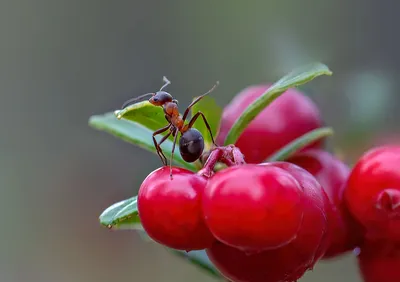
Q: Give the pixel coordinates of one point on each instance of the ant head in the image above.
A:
(160, 98)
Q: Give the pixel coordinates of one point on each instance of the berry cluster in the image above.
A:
(273, 221)
(263, 201)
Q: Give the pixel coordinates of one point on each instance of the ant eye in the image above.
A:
(155, 99)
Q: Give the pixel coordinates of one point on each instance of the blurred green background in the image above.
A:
(62, 61)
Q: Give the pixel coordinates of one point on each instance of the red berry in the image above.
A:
(313, 237)
(332, 174)
(268, 266)
(170, 210)
(380, 262)
(373, 192)
(252, 207)
(288, 117)
(288, 262)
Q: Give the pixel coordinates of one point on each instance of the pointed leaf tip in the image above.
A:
(300, 143)
(295, 78)
(121, 215)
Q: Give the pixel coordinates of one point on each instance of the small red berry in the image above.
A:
(372, 193)
(332, 174)
(379, 262)
(252, 207)
(288, 262)
(313, 237)
(288, 117)
(170, 209)
(276, 265)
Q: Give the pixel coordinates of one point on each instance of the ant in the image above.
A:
(191, 142)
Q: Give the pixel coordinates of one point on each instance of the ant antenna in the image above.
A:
(167, 82)
(134, 100)
(212, 89)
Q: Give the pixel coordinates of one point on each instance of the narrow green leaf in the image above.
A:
(146, 114)
(122, 215)
(136, 134)
(295, 78)
(299, 143)
(200, 259)
(213, 113)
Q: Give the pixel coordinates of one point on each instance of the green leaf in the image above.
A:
(213, 113)
(200, 259)
(137, 134)
(146, 114)
(295, 78)
(122, 215)
(299, 143)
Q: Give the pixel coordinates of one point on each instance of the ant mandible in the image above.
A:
(191, 142)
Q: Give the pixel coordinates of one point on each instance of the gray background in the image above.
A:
(62, 61)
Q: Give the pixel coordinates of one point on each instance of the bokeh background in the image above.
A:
(63, 60)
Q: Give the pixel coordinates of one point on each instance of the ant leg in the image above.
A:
(158, 148)
(172, 152)
(193, 120)
(197, 100)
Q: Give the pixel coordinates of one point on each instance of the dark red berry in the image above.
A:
(332, 174)
(252, 207)
(170, 209)
(288, 262)
(372, 193)
(288, 117)
(267, 266)
(379, 261)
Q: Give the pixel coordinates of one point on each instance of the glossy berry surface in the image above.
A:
(372, 193)
(313, 237)
(379, 262)
(267, 266)
(332, 174)
(244, 207)
(170, 210)
(288, 262)
(288, 117)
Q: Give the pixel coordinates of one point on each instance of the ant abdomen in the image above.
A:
(191, 145)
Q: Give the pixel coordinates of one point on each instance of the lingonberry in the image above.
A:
(288, 117)
(288, 262)
(170, 209)
(372, 192)
(332, 174)
(379, 261)
(252, 207)
(267, 266)
(313, 237)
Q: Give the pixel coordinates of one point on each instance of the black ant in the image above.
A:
(191, 142)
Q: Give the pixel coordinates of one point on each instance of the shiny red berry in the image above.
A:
(252, 207)
(372, 192)
(379, 261)
(170, 209)
(288, 117)
(332, 174)
(288, 262)
(313, 237)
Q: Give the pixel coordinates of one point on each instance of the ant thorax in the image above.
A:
(172, 114)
